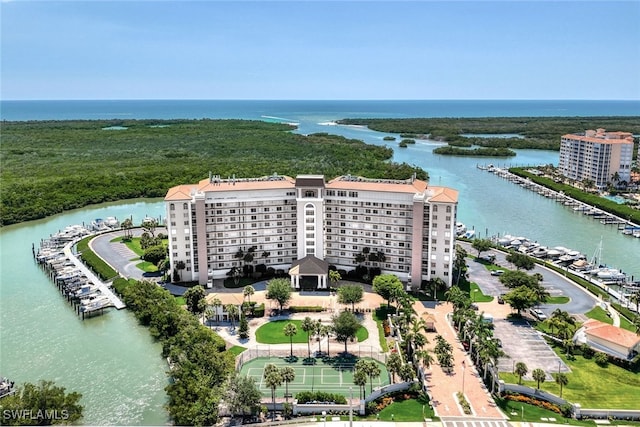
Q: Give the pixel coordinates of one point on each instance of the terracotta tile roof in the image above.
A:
(382, 185)
(611, 333)
(621, 139)
(180, 192)
(443, 195)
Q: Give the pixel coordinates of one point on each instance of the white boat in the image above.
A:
(112, 222)
(554, 253)
(469, 234)
(539, 252)
(460, 228)
(611, 274)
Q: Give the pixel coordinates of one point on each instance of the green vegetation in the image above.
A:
(407, 410)
(557, 300)
(598, 313)
(591, 385)
(41, 404)
(236, 349)
(380, 315)
(362, 334)
(623, 211)
(93, 261)
(537, 132)
(199, 363)
(475, 293)
(147, 267)
(273, 332)
(76, 163)
(474, 152)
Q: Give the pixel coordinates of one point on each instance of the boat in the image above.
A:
(554, 253)
(611, 274)
(469, 234)
(460, 228)
(539, 252)
(112, 222)
(6, 387)
(580, 265)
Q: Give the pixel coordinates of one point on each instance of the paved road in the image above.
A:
(580, 300)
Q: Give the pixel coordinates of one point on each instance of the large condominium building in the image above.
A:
(598, 156)
(305, 224)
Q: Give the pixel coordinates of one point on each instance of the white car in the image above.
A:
(497, 272)
(538, 314)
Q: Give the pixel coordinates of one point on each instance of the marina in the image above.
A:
(627, 227)
(87, 294)
(6, 387)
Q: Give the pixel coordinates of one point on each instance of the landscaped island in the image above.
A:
(51, 166)
(497, 132)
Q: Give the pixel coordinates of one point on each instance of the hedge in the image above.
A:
(305, 309)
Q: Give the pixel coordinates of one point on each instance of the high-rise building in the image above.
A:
(303, 225)
(598, 156)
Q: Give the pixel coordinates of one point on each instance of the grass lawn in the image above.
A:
(518, 411)
(181, 301)
(598, 313)
(592, 386)
(476, 294)
(557, 300)
(147, 267)
(379, 315)
(407, 410)
(272, 333)
(236, 349)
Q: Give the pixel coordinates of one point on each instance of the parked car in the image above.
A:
(538, 314)
(501, 299)
(475, 307)
(497, 272)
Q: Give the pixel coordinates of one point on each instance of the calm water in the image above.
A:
(113, 361)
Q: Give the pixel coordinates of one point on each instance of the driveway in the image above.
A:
(580, 301)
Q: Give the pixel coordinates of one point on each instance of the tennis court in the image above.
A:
(331, 375)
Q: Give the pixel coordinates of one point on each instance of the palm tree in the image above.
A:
(248, 291)
(360, 379)
(635, 298)
(290, 330)
(209, 313)
(232, 312)
(370, 368)
(539, 375)
(127, 225)
(180, 265)
(288, 375)
(216, 305)
(308, 325)
(394, 363)
(272, 379)
(520, 370)
(425, 357)
(407, 372)
(561, 380)
(319, 333)
(334, 277)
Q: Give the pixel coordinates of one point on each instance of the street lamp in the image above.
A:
(463, 369)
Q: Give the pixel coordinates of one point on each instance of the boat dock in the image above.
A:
(78, 284)
(625, 226)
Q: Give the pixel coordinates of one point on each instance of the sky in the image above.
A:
(320, 49)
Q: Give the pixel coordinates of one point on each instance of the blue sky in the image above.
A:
(320, 50)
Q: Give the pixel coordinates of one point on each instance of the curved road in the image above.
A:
(580, 300)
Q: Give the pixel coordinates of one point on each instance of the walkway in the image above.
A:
(443, 386)
(106, 291)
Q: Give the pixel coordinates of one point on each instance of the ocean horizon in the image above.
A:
(300, 110)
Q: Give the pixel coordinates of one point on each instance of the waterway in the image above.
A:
(113, 361)
(110, 359)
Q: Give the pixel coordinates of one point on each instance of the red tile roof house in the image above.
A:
(607, 338)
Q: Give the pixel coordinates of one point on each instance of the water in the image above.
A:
(110, 359)
(114, 362)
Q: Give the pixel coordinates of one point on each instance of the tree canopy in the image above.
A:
(345, 326)
(77, 163)
(279, 290)
(350, 294)
(41, 404)
(388, 286)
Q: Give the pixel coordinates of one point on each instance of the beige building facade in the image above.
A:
(407, 224)
(598, 156)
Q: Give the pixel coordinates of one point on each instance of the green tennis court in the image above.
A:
(332, 375)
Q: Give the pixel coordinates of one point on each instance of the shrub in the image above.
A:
(258, 310)
(530, 400)
(601, 359)
(463, 403)
(305, 309)
(320, 396)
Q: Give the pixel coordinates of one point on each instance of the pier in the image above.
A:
(627, 227)
(78, 284)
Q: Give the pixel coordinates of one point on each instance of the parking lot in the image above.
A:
(522, 343)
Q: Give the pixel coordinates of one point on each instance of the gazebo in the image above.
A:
(304, 269)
